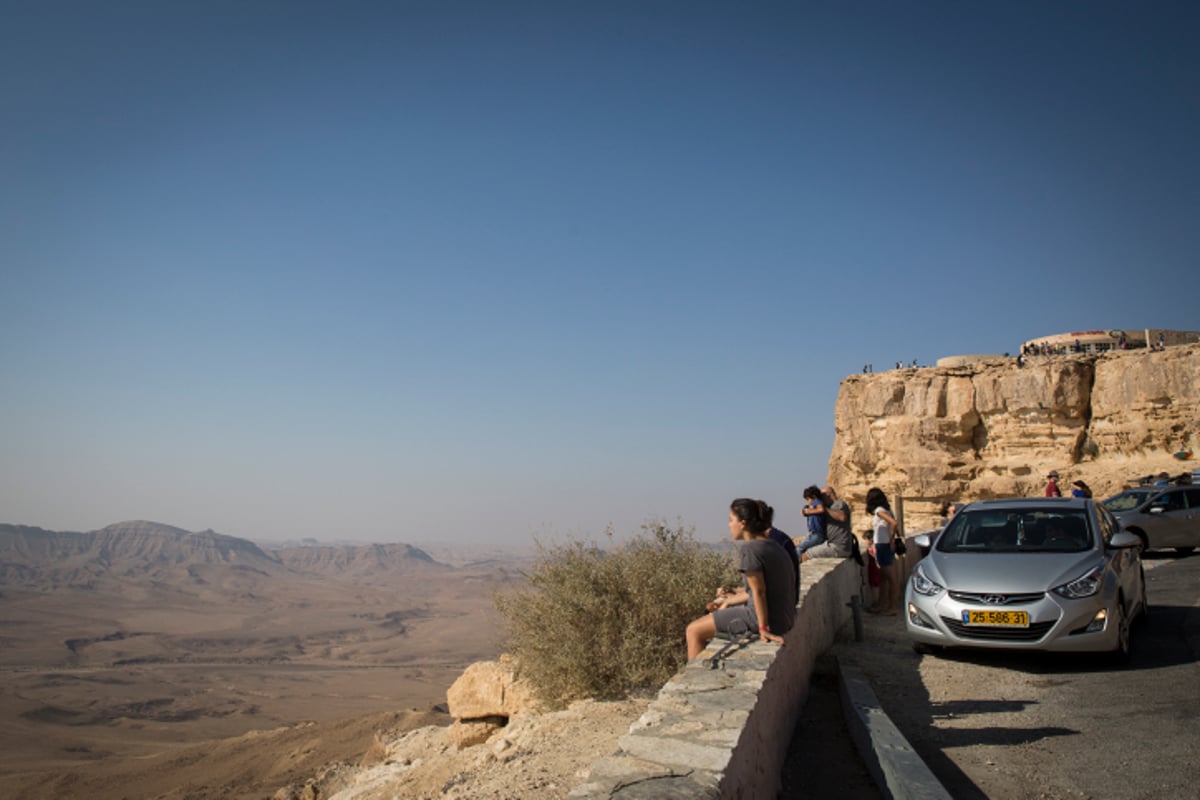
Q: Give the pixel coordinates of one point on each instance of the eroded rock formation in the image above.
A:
(993, 429)
(484, 697)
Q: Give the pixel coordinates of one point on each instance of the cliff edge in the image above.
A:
(992, 428)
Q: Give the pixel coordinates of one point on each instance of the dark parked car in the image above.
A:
(1161, 516)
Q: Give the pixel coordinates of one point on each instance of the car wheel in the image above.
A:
(1184, 551)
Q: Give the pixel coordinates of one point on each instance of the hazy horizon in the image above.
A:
(404, 272)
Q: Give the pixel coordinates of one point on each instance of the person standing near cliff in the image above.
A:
(767, 600)
(839, 538)
(1052, 489)
(883, 527)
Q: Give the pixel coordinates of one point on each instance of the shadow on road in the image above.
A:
(821, 750)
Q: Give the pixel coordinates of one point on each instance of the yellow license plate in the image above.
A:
(1019, 619)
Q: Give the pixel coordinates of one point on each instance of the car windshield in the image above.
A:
(991, 530)
(1128, 500)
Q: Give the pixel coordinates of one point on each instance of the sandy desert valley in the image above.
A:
(144, 661)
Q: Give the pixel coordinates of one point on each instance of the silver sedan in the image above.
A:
(1027, 574)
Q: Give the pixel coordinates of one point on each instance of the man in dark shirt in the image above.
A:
(783, 540)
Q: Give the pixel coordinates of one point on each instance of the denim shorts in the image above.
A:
(884, 556)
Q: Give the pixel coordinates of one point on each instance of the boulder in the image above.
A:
(490, 689)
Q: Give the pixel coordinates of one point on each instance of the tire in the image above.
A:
(1184, 551)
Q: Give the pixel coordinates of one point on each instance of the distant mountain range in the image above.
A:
(142, 551)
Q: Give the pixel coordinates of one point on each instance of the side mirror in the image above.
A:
(1156, 509)
(923, 542)
(1123, 539)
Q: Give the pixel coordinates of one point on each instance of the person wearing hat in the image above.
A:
(1052, 485)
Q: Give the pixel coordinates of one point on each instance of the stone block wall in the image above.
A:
(724, 732)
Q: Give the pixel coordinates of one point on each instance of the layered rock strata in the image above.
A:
(991, 428)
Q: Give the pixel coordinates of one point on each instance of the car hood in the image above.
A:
(1007, 573)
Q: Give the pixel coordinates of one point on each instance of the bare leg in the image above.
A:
(886, 604)
(888, 601)
(700, 632)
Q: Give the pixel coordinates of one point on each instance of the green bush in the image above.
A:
(597, 623)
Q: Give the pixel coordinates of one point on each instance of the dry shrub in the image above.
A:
(597, 623)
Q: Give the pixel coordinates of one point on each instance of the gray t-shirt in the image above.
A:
(837, 533)
(765, 556)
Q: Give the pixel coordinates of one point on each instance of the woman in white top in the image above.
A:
(883, 525)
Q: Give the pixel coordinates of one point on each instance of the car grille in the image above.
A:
(1035, 631)
(988, 599)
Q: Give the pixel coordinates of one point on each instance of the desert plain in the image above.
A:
(143, 670)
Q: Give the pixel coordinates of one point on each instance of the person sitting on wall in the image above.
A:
(767, 600)
(814, 512)
(783, 540)
(839, 539)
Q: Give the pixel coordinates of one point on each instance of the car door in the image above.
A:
(1124, 561)
(1191, 533)
(1168, 522)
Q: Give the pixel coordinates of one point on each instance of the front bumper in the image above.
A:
(1055, 623)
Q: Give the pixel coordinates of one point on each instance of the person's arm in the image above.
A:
(836, 513)
(758, 590)
(888, 518)
(738, 598)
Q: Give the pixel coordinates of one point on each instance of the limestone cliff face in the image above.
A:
(994, 429)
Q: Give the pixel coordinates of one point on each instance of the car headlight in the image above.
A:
(1084, 586)
(921, 583)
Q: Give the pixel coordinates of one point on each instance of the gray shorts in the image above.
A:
(827, 550)
(735, 621)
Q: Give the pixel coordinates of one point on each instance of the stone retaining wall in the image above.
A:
(724, 732)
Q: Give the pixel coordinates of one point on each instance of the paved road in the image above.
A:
(1016, 726)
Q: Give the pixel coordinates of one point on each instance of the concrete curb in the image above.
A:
(898, 771)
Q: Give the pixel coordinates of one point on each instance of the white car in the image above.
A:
(1027, 574)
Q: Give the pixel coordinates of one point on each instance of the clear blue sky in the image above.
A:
(470, 271)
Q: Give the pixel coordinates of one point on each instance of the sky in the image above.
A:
(480, 272)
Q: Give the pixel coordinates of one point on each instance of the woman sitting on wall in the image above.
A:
(767, 599)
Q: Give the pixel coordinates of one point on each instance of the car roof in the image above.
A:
(1031, 503)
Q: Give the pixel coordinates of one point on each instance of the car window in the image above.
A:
(1193, 498)
(1126, 501)
(1016, 531)
(1108, 524)
(1170, 501)
(1105, 530)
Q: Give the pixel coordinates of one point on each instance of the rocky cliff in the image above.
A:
(992, 429)
(369, 561)
(138, 550)
(150, 552)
